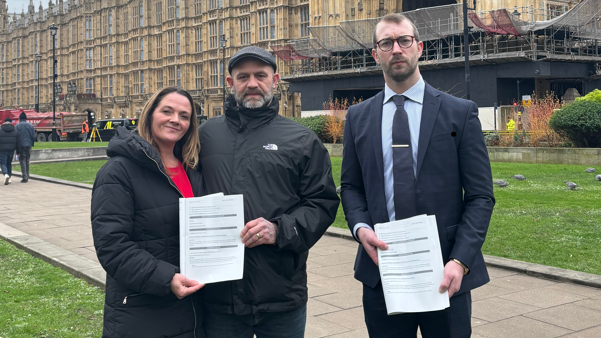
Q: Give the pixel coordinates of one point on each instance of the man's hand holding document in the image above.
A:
(411, 269)
(210, 246)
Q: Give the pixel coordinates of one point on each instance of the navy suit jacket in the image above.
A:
(454, 180)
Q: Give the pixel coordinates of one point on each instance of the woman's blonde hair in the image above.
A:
(188, 147)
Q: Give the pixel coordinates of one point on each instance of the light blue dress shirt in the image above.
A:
(414, 103)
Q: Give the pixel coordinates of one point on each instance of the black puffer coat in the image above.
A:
(10, 140)
(135, 223)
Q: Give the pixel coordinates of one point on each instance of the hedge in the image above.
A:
(579, 122)
(316, 124)
(595, 96)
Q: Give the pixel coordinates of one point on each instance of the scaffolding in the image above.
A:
(499, 35)
(334, 38)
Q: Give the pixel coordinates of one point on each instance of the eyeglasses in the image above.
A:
(387, 44)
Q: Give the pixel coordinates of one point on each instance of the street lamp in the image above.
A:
(515, 13)
(71, 91)
(38, 57)
(285, 109)
(466, 47)
(71, 88)
(53, 28)
(222, 42)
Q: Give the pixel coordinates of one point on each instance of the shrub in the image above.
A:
(334, 123)
(520, 138)
(505, 140)
(580, 123)
(594, 96)
(536, 120)
(492, 139)
(315, 123)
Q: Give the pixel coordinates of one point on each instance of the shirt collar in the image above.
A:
(415, 93)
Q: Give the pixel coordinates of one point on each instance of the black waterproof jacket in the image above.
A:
(284, 173)
(135, 224)
(10, 140)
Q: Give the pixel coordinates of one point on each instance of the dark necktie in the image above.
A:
(402, 163)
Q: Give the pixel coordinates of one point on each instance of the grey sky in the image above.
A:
(18, 5)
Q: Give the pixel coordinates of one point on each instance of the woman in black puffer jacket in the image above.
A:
(135, 222)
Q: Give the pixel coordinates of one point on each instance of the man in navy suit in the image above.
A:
(413, 150)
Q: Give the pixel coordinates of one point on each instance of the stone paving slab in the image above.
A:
(51, 221)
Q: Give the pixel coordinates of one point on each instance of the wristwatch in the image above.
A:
(465, 268)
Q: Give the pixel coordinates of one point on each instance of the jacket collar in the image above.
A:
(132, 146)
(430, 111)
(245, 118)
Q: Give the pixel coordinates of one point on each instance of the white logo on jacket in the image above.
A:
(271, 146)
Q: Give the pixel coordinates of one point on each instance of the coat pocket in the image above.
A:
(441, 137)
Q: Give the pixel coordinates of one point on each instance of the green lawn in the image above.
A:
(538, 220)
(82, 172)
(55, 145)
(39, 300)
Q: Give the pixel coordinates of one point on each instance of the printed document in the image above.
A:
(411, 269)
(211, 249)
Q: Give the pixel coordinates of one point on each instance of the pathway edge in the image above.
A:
(79, 266)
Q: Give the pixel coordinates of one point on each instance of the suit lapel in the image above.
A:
(429, 114)
(376, 132)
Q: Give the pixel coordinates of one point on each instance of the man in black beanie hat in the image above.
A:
(290, 199)
(27, 134)
(9, 142)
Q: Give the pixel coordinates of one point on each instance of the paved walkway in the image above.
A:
(512, 305)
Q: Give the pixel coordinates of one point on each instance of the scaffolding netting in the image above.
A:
(362, 31)
(584, 14)
(592, 30)
(486, 22)
(308, 47)
(334, 38)
(504, 22)
(437, 22)
(287, 52)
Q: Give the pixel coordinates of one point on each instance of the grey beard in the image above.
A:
(254, 104)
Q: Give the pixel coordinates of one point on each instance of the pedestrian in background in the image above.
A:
(85, 129)
(9, 142)
(27, 134)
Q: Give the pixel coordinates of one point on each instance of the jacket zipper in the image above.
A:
(176, 188)
(167, 176)
(125, 299)
(194, 309)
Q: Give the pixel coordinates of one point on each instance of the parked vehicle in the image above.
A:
(106, 128)
(68, 125)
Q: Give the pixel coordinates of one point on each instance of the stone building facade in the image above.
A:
(117, 53)
(112, 55)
